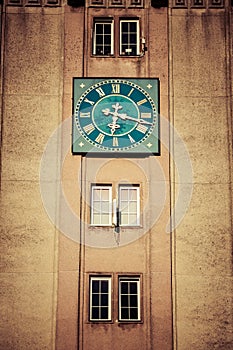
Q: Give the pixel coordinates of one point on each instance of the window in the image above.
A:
(100, 298)
(129, 299)
(102, 293)
(103, 37)
(126, 32)
(101, 205)
(103, 212)
(129, 205)
(129, 37)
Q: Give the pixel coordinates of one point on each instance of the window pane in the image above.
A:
(134, 50)
(133, 300)
(124, 207)
(124, 39)
(105, 219)
(133, 39)
(125, 314)
(124, 300)
(104, 313)
(133, 193)
(105, 194)
(133, 288)
(105, 207)
(96, 219)
(95, 313)
(95, 299)
(99, 28)
(124, 194)
(107, 50)
(133, 27)
(132, 219)
(95, 286)
(99, 39)
(96, 194)
(132, 207)
(124, 287)
(133, 313)
(107, 29)
(107, 40)
(124, 27)
(104, 299)
(124, 219)
(104, 286)
(97, 207)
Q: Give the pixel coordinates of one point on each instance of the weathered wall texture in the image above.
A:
(149, 255)
(32, 77)
(201, 101)
(190, 51)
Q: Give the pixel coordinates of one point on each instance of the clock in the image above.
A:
(118, 116)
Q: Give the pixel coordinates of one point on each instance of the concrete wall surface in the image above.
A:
(31, 95)
(187, 275)
(201, 105)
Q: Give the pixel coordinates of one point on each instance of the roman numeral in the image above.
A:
(115, 141)
(85, 114)
(88, 101)
(100, 92)
(142, 128)
(115, 88)
(139, 103)
(131, 91)
(131, 139)
(145, 115)
(88, 128)
(100, 138)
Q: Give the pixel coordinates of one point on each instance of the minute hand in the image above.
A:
(140, 121)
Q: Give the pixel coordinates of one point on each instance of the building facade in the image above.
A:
(116, 174)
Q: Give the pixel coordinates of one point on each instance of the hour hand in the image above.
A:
(106, 111)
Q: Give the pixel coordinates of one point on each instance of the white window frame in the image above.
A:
(109, 202)
(123, 204)
(99, 319)
(129, 279)
(122, 52)
(103, 21)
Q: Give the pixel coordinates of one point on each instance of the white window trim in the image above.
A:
(138, 281)
(138, 37)
(100, 278)
(103, 21)
(137, 187)
(109, 187)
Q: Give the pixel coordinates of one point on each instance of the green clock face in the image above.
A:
(115, 115)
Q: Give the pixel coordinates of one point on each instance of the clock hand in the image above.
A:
(115, 115)
(140, 121)
(113, 126)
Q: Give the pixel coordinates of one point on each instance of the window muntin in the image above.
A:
(100, 299)
(103, 37)
(101, 205)
(129, 299)
(129, 37)
(129, 205)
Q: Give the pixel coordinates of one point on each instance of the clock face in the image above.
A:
(115, 115)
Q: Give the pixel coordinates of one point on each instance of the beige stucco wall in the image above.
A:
(42, 50)
(32, 90)
(201, 99)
